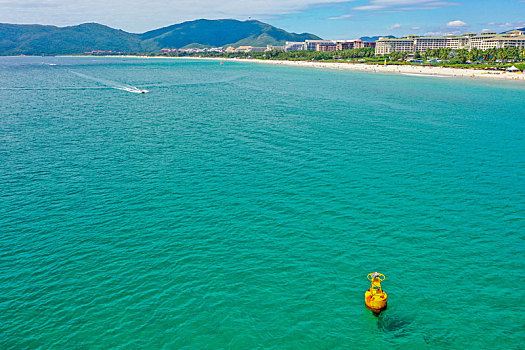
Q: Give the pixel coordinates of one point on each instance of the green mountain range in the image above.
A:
(224, 32)
(17, 39)
(375, 38)
(520, 29)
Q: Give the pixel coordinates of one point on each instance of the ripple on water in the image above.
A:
(241, 206)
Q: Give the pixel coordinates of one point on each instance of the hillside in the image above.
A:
(50, 40)
(16, 39)
(521, 29)
(223, 32)
(375, 38)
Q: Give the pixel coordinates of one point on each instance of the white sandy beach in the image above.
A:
(405, 69)
(439, 72)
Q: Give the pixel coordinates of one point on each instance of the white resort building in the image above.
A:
(294, 46)
(483, 41)
(327, 45)
(311, 45)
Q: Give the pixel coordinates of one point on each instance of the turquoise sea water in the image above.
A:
(241, 206)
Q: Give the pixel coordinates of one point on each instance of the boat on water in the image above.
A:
(133, 89)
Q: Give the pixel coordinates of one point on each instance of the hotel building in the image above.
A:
(327, 45)
(311, 45)
(294, 46)
(331, 46)
(486, 40)
(353, 44)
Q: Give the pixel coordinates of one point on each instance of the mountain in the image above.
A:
(17, 39)
(522, 29)
(224, 32)
(375, 38)
(38, 39)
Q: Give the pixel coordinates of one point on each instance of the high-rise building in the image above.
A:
(311, 45)
(483, 41)
(294, 46)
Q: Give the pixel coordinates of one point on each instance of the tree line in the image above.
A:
(450, 56)
(320, 55)
(462, 56)
(289, 55)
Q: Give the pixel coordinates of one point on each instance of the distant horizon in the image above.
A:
(325, 18)
(256, 20)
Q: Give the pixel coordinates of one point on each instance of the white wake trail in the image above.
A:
(112, 84)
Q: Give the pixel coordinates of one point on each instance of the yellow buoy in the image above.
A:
(375, 296)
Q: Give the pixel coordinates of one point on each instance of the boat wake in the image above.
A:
(134, 90)
(113, 84)
(56, 88)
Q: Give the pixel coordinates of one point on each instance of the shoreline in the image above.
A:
(437, 72)
(410, 70)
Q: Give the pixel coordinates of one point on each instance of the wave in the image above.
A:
(56, 88)
(424, 75)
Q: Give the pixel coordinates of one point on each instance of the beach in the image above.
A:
(435, 71)
(401, 69)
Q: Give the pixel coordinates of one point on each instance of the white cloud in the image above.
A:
(140, 15)
(415, 28)
(442, 33)
(404, 5)
(340, 17)
(457, 24)
(395, 26)
(517, 24)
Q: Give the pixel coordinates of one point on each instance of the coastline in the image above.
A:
(437, 71)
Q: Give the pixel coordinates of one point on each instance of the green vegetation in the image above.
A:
(320, 56)
(50, 40)
(475, 58)
(489, 59)
(216, 33)
(353, 54)
(463, 56)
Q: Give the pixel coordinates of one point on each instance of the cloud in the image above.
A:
(374, 5)
(140, 15)
(340, 17)
(395, 26)
(415, 28)
(517, 24)
(457, 24)
(456, 32)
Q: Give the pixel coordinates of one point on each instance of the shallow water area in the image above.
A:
(242, 206)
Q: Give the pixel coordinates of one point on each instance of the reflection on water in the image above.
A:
(394, 324)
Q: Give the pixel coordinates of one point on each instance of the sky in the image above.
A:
(329, 19)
